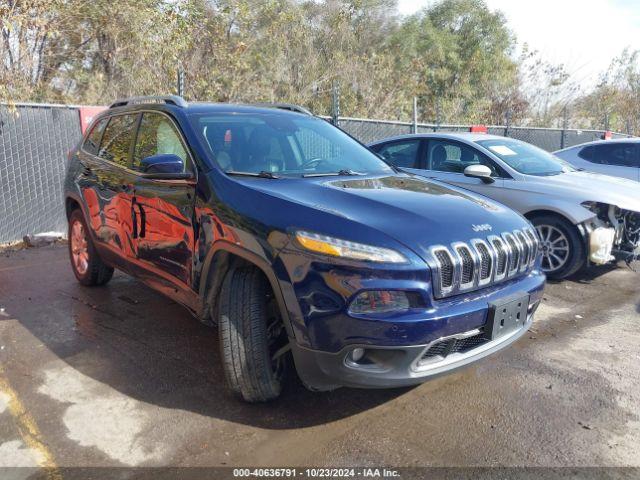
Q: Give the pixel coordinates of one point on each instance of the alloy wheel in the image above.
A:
(79, 248)
(554, 247)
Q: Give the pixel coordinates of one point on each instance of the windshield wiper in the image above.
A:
(333, 174)
(261, 174)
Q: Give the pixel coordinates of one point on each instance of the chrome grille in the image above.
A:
(486, 262)
(515, 254)
(535, 244)
(526, 249)
(466, 266)
(446, 268)
(502, 257)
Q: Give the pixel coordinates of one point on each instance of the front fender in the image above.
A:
(217, 264)
(529, 202)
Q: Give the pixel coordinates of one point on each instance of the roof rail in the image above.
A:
(170, 99)
(285, 106)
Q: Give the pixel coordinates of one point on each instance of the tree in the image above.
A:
(459, 55)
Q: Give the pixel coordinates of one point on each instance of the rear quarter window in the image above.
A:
(92, 141)
(116, 139)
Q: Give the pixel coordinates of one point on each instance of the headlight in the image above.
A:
(600, 209)
(337, 247)
(592, 206)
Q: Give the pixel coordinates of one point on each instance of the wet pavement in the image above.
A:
(121, 376)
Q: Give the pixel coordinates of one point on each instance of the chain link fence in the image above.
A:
(549, 139)
(34, 141)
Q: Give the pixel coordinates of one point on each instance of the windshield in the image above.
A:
(526, 158)
(283, 145)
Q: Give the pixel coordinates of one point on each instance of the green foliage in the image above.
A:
(615, 102)
(456, 56)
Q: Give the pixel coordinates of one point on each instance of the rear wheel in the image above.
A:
(86, 264)
(562, 249)
(253, 340)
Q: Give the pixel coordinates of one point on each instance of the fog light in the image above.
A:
(380, 301)
(357, 354)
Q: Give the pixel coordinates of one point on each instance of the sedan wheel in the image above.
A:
(554, 246)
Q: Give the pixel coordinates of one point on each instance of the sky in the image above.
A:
(584, 35)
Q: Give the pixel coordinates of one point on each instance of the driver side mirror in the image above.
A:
(479, 171)
(164, 165)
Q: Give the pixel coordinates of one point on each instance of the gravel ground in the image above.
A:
(120, 376)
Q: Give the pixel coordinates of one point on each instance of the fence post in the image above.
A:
(435, 129)
(180, 85)
(565, 123)
(335, 109)
(507, 123)
(414, 128)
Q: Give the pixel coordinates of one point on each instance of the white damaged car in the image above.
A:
(582, 218)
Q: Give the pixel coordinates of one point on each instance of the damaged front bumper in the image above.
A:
(613, 234)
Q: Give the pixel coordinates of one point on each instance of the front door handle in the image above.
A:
(143, 220)
(134, 220)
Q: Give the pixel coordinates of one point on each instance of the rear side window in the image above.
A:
(92, 142)
(402, 154)
(618, 154)
(116, 140)
(157, 135)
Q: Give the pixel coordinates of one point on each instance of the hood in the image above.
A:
(588, 186)
(416, 212)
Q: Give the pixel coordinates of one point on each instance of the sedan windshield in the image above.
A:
(283, 145)
(526, 158)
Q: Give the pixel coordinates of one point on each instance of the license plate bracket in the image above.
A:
(506, 316)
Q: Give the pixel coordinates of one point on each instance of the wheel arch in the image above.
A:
(579, 227)
(224, 258)
(71, 204)
(544, 212)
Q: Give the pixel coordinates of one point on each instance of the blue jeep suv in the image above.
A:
(301, 245)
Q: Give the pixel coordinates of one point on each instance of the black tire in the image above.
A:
(576, 257)
(97, 272)
(246, 314)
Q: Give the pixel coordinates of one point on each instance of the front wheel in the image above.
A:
(562, 249)
(253, 341)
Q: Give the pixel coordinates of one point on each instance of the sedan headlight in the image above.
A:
(600, 209)
(337, 247)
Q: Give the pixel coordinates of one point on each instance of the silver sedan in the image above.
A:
(618, 158)
(582, 218)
